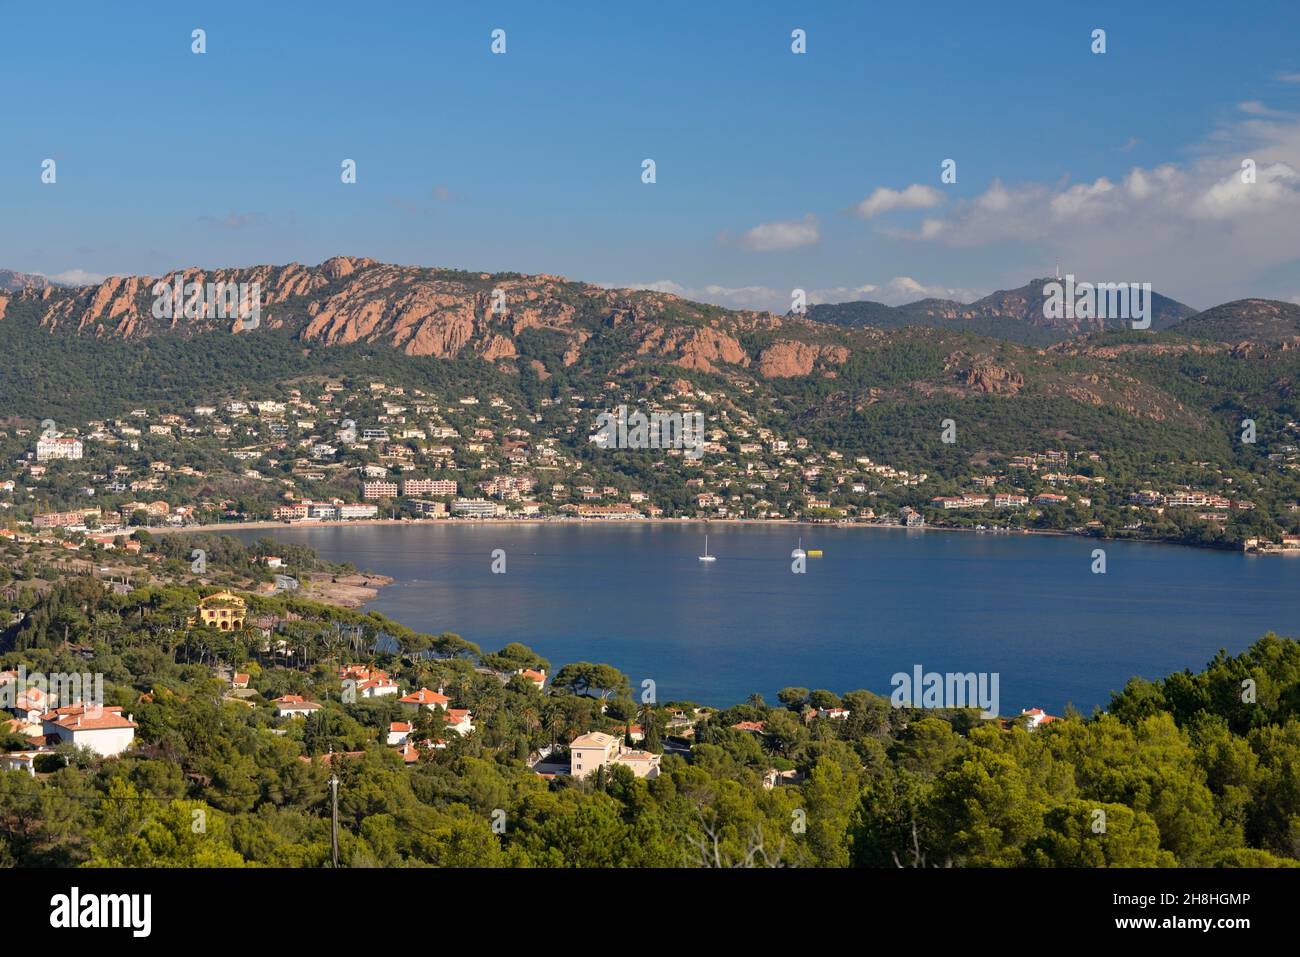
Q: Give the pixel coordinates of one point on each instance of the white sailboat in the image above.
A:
(799, 552)
(706, 557)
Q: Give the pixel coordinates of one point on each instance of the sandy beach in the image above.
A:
(250, 526)
(415, 522)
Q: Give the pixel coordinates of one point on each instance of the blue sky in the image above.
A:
(774, 170)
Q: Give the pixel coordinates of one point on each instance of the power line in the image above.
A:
(135, 797)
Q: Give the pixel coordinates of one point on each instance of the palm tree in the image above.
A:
(552, 720)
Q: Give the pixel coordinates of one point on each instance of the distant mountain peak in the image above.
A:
(16, 281)
(1017, 315)
(1244, 320)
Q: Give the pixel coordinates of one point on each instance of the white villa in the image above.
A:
(294, 706)
(424, 698)
(102, 729)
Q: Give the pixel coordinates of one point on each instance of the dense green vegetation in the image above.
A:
(176, 372)
(1196, 769)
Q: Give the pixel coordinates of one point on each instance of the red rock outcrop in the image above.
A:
(993, 380)
(447, 313)
(499, 347)
(787, 358)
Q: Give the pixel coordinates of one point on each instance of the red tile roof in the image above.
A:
(295, 702)
(80, 718)
(425, 696)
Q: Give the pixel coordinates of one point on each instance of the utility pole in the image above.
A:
(334, 828)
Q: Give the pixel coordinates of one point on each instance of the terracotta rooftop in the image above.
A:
(79, 718)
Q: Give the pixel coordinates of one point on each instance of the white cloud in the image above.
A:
(1193, 227)
(1256, 108)
(659, 285)
(884, 199)
(780, 236)
(78, 277)
(1275, 185)
(893, 292)
(1173, 195)
(761, 298)
(1082, 200)
(1289, 77)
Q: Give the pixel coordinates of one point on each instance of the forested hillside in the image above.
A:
(1196, 769)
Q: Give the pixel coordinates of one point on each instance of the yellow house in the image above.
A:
(223, 611)
(596, 749)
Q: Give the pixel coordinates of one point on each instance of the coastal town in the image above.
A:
(51, 718)
(303, 732)
(336, 451)
(443, 440)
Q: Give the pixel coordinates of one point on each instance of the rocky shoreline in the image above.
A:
(346, 591)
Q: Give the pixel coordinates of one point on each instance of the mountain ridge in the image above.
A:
(547, 332)
(13, 281)
(441, 313)
(1017, 315)
(1251, 320)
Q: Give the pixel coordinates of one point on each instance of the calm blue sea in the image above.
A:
(880, 601)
